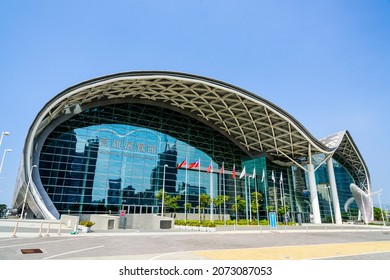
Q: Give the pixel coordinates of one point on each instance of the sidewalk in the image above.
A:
(36, 228)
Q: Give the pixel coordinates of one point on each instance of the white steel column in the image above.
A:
(315, 206)
(333, 187)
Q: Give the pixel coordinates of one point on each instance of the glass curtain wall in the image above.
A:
(117, 157)
(343, 181)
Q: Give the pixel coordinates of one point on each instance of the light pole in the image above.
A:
(380, 205)
(25, 196)
(2, 160)
(6, 133)
(163, 192)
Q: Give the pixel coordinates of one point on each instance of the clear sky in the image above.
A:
(325, 62)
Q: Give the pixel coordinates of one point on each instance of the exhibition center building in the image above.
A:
(114, 143)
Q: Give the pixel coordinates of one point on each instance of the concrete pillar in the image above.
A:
(315, 206)
(333, 187)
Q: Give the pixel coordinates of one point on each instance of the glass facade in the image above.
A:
(343, 181)
(111, 157)
(116, 157)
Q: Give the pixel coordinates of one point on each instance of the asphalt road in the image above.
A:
(245, 243)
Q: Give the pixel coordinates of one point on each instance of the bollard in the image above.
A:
(59, 229)
(40, 230)
(48, 229)
(15, 229)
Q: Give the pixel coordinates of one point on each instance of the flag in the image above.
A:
(281, 177)
(222, 169)
(254, 173)
(194, 164)
(234, 171)
(243, 173)
(262, 177)
(183, 163)
(210, 168)
(273, 176)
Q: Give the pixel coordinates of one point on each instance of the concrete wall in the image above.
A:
(146, 221)
(104, 222)
(107, 222)
(70, 221)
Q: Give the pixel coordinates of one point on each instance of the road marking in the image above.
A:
(35, 243)
(72, 252)
(163, 255)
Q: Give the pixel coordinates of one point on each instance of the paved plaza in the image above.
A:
(34, 241)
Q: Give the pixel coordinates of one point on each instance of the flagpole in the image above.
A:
(257, 200)
(224, 199)
(275, 197)
(250, 200)
(246, 201)
(235, 194)
(199, 190)
(185, 193)
(266, 196)
(220, 189)
(282, 198)
(211, 194)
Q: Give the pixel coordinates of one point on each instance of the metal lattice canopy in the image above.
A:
(251, 122)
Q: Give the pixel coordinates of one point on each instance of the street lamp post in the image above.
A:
(25, 196)
(2, 160)
(163, 192)
(6, 133)
(380, 205)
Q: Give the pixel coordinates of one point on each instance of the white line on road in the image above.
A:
(72, 252)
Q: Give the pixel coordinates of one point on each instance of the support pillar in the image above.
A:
(333, 187)
(315, 206)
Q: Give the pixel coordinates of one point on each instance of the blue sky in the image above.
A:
(327, 63)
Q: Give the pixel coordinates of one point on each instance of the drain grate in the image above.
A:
(31, 251)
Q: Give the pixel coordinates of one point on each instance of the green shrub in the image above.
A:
(87, 223)
(194, 223)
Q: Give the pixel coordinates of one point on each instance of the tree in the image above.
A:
(204, 202)
(187, 208)
(256, 203)
(159, 196)
(172, 204)
(3, 210)
(218, 202)
(378, 214)
(240, 205)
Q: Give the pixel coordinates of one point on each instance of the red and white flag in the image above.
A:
(183, 163)
(194, 164)
(222, 169)
(234, 171)
(210, 168)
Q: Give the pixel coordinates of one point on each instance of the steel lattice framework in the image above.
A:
(254, 124)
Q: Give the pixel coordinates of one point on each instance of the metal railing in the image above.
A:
(44, 228)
